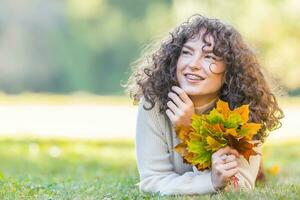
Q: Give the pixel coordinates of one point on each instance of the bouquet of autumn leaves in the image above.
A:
(220, 128)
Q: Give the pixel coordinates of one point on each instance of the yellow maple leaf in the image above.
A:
(231, 131)
(182, 132)
(181, 148)
(210, 132)
(223, 108)
(202, 166)
(251, 129)
(243, 111)
(194, 136)
(218, 127)
(213, 144)
(189, 157)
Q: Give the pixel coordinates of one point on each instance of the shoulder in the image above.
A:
(144, 106)
(152, 115)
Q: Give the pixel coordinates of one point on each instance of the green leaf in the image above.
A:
(203, 158)
(201, 155)
(233, 121)
(196, 146)
(197, 123)
(214, 117)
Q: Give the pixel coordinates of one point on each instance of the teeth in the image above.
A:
(193, 77)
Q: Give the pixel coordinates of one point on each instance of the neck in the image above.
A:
(203, 100)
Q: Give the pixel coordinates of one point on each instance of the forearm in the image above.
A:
(172, 183)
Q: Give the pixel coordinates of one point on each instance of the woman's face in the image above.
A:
(200, 74)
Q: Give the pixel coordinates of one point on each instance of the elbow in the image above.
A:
(148, 185)
(155, 184)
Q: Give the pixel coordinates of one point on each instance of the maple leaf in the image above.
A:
(243, 146)
(196, 146)
(243, 111)
(195, 136)
(202, 161)
(203, 166)
(197, 123)
(223, 108)
(231, 131)
(248, 130)
(182, 132)
(215, 117)
(181, 148)
(233, 121)
(188, 158)
(213, 144)
(201, 155)
(218, 128)
(210, 132)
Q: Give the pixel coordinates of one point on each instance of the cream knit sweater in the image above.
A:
(162, 170)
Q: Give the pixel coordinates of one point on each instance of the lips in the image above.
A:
(194, 77)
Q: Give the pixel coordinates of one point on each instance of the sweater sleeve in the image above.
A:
(153, 161)
(248, 170)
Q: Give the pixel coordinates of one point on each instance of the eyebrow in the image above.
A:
(188, 47)
(192, 49)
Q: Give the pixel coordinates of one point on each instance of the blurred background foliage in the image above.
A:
(74, 45)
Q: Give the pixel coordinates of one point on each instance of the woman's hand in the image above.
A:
(181, 108)
(224, 166)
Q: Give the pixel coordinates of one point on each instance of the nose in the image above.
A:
(196, 62)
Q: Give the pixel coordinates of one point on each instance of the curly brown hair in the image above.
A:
(155, 73)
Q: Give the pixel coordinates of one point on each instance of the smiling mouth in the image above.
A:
(194, 77)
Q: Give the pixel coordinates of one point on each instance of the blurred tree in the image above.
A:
(71, 45)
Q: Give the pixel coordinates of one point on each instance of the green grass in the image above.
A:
(64, 169)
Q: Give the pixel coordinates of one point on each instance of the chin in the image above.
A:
(192, 91)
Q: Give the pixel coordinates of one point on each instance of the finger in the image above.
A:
(174, 108)
(171, 116)
(227, 158)
(234, 152)
(229, 150)
(185, 98)
(218, 161)
(176, 99)
(230, 158)
(224, 157)
(222, 151)
(231, 172)
(220, 169)
(230, 165)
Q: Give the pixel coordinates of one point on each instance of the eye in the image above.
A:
(211, 57)
(185, 52)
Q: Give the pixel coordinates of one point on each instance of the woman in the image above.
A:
(201, 61)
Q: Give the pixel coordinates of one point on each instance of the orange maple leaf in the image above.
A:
(182, 132)
(243, 111)
(223, 108)
(243, 146)
(251, 129)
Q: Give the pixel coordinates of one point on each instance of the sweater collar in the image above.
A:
(206, 107)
